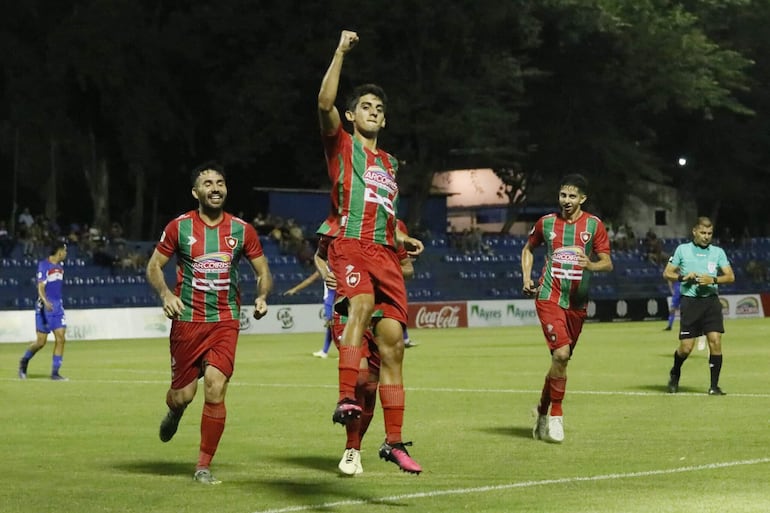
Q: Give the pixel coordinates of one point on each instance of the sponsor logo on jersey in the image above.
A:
(213, 263)
(191, 240)
(54, 274)
(375, 175)
(567, 255)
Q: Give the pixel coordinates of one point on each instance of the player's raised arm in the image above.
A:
(328, 115)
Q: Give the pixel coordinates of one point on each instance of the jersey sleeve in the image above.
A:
(252, 248)
(535, 237)
(169, 239)
(601, 239)
(676, 258)
(722, 261)
(333, 145)
(42, 272)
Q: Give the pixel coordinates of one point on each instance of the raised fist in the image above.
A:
(348, 40)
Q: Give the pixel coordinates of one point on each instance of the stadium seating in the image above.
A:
(441, 273)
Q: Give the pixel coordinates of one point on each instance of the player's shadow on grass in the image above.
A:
(508, 431)
(156, 468)
(663, 389)
(309, 492)
(322, 463)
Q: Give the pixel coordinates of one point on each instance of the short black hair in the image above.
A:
(575, 180)
(704, 222)
(211, 164)
(56, 246)
(365, 89)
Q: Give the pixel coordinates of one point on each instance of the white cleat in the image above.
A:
(350, 464)
(540, 430)
(555, 432)
(320, 354)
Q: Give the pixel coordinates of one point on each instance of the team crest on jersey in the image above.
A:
(353, 279)
(585, 237)
(231, 242)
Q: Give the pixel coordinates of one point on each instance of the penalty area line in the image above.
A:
(512, 486)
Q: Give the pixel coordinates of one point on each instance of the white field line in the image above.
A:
(410, 389)
(511, 486)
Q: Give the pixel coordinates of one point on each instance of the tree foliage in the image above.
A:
(145, 90)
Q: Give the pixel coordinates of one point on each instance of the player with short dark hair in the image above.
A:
(363, 256)
(49, 312)
(205, 305)
(571, 238)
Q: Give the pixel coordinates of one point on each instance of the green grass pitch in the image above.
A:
(91, 444)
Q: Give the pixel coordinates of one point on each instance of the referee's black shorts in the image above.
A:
(700, 315)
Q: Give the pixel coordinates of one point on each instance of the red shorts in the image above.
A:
(368, 268)
(561, 327)
(197, 344)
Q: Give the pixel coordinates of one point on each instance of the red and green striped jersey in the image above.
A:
(331, 226)
(207, 264)
(563, 281)
(364, 191)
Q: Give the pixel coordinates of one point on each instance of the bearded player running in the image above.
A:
(205, 305)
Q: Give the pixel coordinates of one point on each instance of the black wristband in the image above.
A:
(680, 278)
(715, 280)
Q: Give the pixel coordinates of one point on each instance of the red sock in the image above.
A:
(353, 426)
(558, 386)
(545, 397)
(392, 400)
(350, 359)
(212, 427)
(370, 400)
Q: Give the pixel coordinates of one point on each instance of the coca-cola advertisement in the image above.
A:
(438, 315)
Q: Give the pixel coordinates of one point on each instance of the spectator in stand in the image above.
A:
(757, 270)
(621, 239)
(73, 237)
(116, 233)
(7, 242)
(32, 238)
(260, 224)
(654, 248)
(26, 220)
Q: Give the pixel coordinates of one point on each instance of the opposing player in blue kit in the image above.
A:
(49, 312)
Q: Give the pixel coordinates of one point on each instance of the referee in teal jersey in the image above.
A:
(697, 266)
